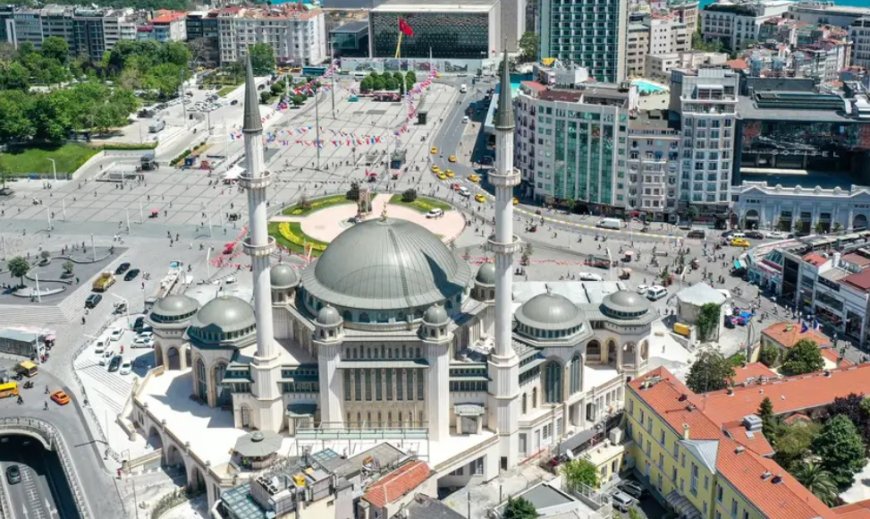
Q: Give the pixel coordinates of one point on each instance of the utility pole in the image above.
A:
(317, 124)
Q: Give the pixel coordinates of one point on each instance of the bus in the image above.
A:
(27, 368)
(8, 389)
(313, 71)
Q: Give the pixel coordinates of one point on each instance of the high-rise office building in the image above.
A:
(590, 34)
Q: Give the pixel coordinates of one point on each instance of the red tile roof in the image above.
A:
(861, 280)
(737, 64)
(815, 259)
(857, 510)
(789, 333)
(856, 259)
(169, 17)
(833, 356)
(397, 483)
(755, 371)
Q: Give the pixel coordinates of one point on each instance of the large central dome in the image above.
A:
(386, 264)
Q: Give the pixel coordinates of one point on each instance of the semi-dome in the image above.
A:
(624, 304)
(486, 274)
(549, 312)
(174, 307)
(386, 264)
(283, 275)
(225, 314)
(435, 314)
(328, 316)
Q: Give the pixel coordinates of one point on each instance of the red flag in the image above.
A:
(405, 28)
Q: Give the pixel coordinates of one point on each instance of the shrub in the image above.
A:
(353, 192)
(769, 356)
(409, 196)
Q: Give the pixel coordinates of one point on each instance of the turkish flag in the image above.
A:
(405, 28)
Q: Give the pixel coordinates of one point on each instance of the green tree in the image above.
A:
(579, 472)
(529, 43)
(698, 43)
(15, 124)
(818, 481)
(378, 83)
(297, 99)
(803, 357)
(262, 58)
(710, 372)
(14, 76)
(841, 450)
(708, 320)
(519, 508)
(18, 267)
(769, 356)
(770, 424)
(56, 48)
(400, 81)
(390, 83)
(265, 97)
(410, 79)
(692, 213)
(366, 84)
(409, 195)
(634, 514)
(792, 443)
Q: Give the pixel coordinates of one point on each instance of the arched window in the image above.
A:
(525, 403)
(201, 382)
(576, 365)
(593, 350)
(223, 393)
(553, 383)
(534, 397)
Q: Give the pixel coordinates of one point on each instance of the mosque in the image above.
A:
(391, 332)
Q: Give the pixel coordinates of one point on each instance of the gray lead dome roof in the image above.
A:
(174, 306)
(486, 274)
(435, 314)
(626, 302)
(283, 275)
(386, 264)
(549, 312)
(226, 313)
(328, 316)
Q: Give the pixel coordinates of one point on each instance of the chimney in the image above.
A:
(686, 435)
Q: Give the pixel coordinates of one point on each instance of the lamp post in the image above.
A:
(53, 168)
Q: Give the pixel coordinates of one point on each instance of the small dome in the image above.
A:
(328, 316)
(625, 304)
(283, 275)
(174, 307)
(226, 314)
(486, 274)
(549, 312)
(435, 314)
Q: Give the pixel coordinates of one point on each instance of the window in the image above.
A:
(420, 385)
(719, 494)
(409, 377)
(368, 384)
(347, 384)
(389, 384)
(378, 386)
(693, 484)
(477, 466)
(399, 392)
(733, 508)
(357, 384)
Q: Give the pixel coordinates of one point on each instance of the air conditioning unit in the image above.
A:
(615, 436)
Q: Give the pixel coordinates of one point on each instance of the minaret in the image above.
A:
(504, 389)
(265, 370)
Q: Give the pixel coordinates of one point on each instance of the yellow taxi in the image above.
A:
(452, 158)
(739, 242)
(480, 198)
(434, 150)
(449, 173)
(516, 200)
(442, 176)
(474, 178)
(436, 169)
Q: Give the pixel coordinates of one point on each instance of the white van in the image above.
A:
(610, 223)
(463, 89)
(654, 293)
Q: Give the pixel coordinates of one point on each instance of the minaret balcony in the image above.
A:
(262, 181)
(497, 247)
(258, 250)
(509, 180)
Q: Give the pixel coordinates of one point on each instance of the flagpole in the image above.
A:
(317, 124)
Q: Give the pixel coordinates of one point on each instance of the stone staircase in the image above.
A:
(32, 315)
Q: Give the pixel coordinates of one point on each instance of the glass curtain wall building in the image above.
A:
(590, 34)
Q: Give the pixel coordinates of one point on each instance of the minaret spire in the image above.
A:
(504, 363)
(265, 369)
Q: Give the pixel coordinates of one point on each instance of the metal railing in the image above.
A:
(48, 432)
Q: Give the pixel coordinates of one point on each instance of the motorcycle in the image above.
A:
(28, 384)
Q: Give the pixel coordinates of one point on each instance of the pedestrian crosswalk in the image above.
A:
(111, 384)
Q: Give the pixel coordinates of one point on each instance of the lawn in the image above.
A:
(290, 236)
(68, 157)
(226, 90)
(315, 205)
(422, 204)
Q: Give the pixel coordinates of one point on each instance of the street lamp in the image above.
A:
(53, 168)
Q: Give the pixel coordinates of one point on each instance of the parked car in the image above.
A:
(115, 363)
(115, 334)
(776, 235)
(642, 289)
(590, 276)
(142, 342)
(100, 346)
(106, 357)
(139, 324)
(696, 233)
(13, 474)
(435, 213)
(632, 488)
(622, 501)
(126, 368)
(93, 300)
(123, 267)
(131, 275)
(654, 293)
(60, 398)
(755, 235)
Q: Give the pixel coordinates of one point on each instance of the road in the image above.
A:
(42, 492)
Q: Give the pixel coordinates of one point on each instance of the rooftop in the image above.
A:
(793, 106)
(425, 507)
(435, 6)
(788, 334)
(751, 372)
(397, 484)
(859, 260)
(861, 280)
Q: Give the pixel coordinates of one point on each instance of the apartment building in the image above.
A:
(653, 162)
(636, 48)
(203, 31)
(685, 11)
(735, 24)
(705, 101)
(659, 66)
(296, 33)
(859, 34)
(707, 455)
(657, 35)
(165, 26)
(588, 34)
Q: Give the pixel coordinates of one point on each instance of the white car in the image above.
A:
(106, 357)
(126, 367)
(100, 346)
(464, 191)
(642, 289)
(775, 235)
(146, 334)
(435, 213)
(590, 276)
(115, 334)
(656, 292)
(143, 342)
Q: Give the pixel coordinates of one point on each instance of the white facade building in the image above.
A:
(297, 35)
(735, 24)
(777, 207)
(859, 33)
(659, 66)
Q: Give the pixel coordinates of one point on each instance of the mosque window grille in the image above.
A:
(463, 386)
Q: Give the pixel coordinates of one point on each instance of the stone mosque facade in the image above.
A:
(389, 330)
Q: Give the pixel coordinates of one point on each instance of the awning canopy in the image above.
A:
(258, 444)
(683, 506)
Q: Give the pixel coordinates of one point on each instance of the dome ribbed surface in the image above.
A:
(226, 313)
(549, 312)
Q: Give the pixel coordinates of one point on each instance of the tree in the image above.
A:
(378, 83)
(297, 99)
(634, 514)
(529, 43)
(55, 48)
(579, 472)
(353, 192)
(692, 213)
(262, 58)
(68, 267)
(265, 97)
(818, 481)
(18, 267)
(837, 227)
(850, 407)
(277, 88)
(366, 84)
(769, 422)
(841, 450)
(410, 79)
(409, 195)
(803, 357)
(792, 443)
(710, 372)
(519, 508)
(769, 356)
(708, 320)
(390, 83)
